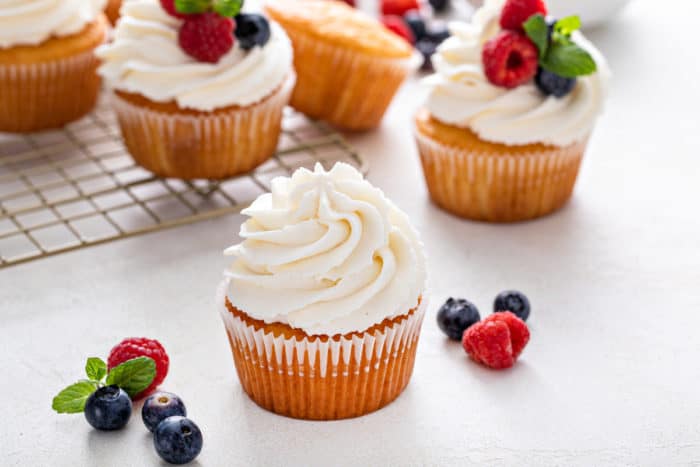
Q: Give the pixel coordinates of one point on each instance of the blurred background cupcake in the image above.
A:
(511, 106)
(112, 10)
(47, 61)
(324, 302)
(193, 98)
(349, 66)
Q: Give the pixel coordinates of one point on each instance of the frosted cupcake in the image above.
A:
(324, 301)
(511, 107)
(349, 65)
(194, 100)
(47, 61)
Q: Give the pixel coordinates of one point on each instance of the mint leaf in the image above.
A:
(566, 26)
(72, 399)
(95, 368)
(228, 8)
(133, 375)
(191, 6)
(536, 29)
(567, 59)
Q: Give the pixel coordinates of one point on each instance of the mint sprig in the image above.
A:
(192, 7)
(133, 376)
(72, 399)
(559, 54)
(227, 8)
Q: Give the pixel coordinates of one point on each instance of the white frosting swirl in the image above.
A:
(461, 95)
(326, 252)
(31, 22)
(145, 58)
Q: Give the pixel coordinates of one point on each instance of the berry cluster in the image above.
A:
(531, 47)
(498, 340)
(408, 20)
(210, 28)
(135, 367)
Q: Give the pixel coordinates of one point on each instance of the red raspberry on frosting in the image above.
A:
(207, 37)
(134, 347)
(497, 341)
(510, 59)
(516, 12)
(398, 7)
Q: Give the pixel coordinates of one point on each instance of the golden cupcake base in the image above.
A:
(484, 181)
(188, 144)
(52, 84)
(349, 66)
(290, 373)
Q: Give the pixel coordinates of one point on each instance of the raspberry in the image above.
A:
(516, 12)
(519, 333)
(399, 27)
(134, 347)
(207, 37)
(398, 7)
(510, 59)
(496, 341)
(169, 7)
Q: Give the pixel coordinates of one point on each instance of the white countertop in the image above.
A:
(610, 377)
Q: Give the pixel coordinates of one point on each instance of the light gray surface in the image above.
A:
(610, 377)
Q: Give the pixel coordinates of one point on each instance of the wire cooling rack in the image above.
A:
(76, 187)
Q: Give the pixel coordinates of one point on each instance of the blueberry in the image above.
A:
(455, 316)
(160, 406)
(513, 301)
(552, 84)
(108, 408)
(177, 440)
(437, 33)
(252, 30)
(415, 22)
(427, 48)
(439, 5)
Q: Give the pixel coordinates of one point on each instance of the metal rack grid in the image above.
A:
(76, 187)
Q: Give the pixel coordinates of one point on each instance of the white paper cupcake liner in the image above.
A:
(203, 145)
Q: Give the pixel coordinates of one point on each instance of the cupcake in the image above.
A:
(192, 99)
(47, 62)
(511, 106)
(112, 10)
(349, 66)
(324, 301)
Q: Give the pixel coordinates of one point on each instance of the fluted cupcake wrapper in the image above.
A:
(344, 87)
(46, 95)
(320, 377)
(495, 186)
(214, 145)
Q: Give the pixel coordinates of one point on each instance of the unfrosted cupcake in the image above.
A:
(324, 301)
(505, 126)
(47, 61)
(192, 100)
(349, 66)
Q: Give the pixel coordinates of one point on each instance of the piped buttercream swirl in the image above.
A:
(145, 58)
(326, 252)
(31, 22)
(461, 95)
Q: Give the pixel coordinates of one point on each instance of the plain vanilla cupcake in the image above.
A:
(324, 301)
(503, 131)
(194, 100)
(47, 61)
(349, 65)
